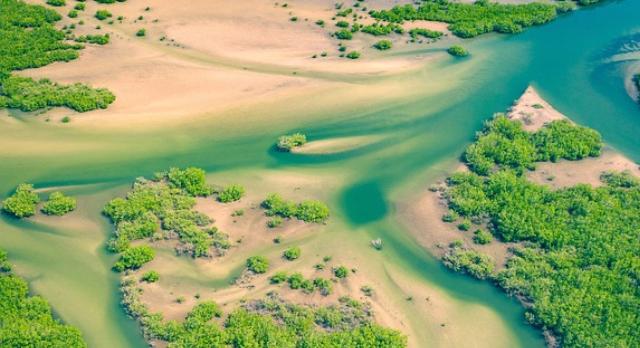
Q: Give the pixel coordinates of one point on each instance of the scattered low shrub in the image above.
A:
(102, 14)
(340, 272)
(383, 45)
(471, 262)
(457, 51)
(258, 264)
(59, 204)
(288, 142)
(292, 253)
(231, 193)
(22, 203)
(134, 258)
(151, 277)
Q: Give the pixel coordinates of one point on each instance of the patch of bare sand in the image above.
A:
(587, 171)
(533, 111)
(336, 145)
(204, 58)
(259, 31)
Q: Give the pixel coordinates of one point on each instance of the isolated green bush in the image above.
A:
(22, 203)
(457, 51)
(134, 258)
(383, 45)
(231, 193)
(288, 142)
(59, 204)
(258, 264)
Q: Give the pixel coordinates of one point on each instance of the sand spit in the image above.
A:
(333, 146)
(533, 111)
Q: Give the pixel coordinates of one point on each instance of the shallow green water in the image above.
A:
(565, 60)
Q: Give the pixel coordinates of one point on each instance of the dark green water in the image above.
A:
(565, 61)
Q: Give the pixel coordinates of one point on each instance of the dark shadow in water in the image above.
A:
(364, 202)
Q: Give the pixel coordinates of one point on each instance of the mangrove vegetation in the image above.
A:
(29, 39)
(576, 264)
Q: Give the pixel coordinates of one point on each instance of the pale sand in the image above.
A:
(335, 145)
(587, 171)
(533, 111)
(218, 55)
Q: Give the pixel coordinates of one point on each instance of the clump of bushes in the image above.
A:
(292, 253)
(94, 39)
(340, 272)
(134, 258)
(287, 142)
(503, 142)
(231, 193)
(191, 179)
(297, 281)
(150, 277)
(31, 27)
(482, 237)
(27, 94)
(457, 51)
(353, 55)
(164, 206)
(344, 34)
(430, 34)
(377, 29)
(383, 45)
(472, 19)
(22, 203)
(59, 204)
(285, 324)
(103, 14)
(56, 3)
(258, 264)
(470, 262)
(141, 32)
(307, 211)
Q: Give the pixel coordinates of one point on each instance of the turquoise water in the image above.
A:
(565, 60)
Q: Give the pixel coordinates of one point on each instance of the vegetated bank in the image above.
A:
(468, 20)
(576, 264)
(29, 39)
(27, 321)
(464, 19)
(162, 208)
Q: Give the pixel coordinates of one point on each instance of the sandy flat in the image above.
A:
(587, 171)
(210, 57)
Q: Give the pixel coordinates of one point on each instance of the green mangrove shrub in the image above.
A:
(287, 142)
(28, 320)
(231, 193)
(59, 204)
(22, 203)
